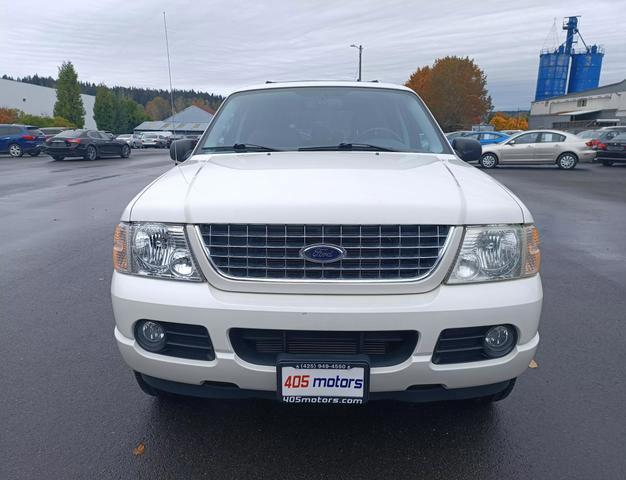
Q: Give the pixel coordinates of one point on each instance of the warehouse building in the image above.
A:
(191, 121)
(38, 100)
(597, 107)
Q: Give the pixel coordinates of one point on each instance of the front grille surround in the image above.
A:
(262, 346)
(374, 253)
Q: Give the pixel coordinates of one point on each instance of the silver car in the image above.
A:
(133, 140)
(536, 147)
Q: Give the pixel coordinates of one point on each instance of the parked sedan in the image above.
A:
(89, 144)
(538, 147)
(613, 151)
(133, 140)
(153, 140)
(459, 133)
(16, 140)
(488, 138)
(596, 139)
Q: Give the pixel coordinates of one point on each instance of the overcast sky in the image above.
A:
(217, 45)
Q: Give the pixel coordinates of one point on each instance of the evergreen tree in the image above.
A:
(104, 108)
(69, 105)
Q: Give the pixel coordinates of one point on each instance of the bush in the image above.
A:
(12, 115)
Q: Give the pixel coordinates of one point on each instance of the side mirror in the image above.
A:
(467, 149)
(180, 150)
(511, 143)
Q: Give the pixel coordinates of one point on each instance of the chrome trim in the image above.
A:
(198, 241)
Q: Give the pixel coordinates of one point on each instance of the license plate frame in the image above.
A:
(323, 367)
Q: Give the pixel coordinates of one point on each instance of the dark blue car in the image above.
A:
(488, 138)
(16, 140)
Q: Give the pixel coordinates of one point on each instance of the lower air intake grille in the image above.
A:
(261, 346)
(460, 345)
(187, 341)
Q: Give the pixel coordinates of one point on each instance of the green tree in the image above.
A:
(104, 108)
(69, 105)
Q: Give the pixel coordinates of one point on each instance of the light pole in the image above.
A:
(360, 47)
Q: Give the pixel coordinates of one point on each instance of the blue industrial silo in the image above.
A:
(552, 77)
(585, 70)
(555, 67)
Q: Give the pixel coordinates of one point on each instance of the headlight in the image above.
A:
(497, 252)
(154, 250)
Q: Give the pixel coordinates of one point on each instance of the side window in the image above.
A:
(4, 130)
(14, 130)
(94, 135)
(550, 137)
(490, 136)
(526, 138)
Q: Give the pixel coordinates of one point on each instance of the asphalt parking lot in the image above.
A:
(70, 408)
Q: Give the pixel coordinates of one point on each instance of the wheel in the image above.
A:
(567, 161)
(34, 153)
(15, 150)
(125, 153)
(91, 153)
(496, 397)
(607, 163)
(58, 157)
(488, 160)
(146, 388)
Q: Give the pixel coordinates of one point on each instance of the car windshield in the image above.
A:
(70, 134)
(325, 118)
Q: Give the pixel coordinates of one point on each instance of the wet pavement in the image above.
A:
(70, 408)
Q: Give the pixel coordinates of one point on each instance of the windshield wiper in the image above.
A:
(348, 146)
(242, 147)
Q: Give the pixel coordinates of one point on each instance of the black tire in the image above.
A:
(146, 388)
(607, 163)
(567, 161)
(91, 153)
(16, 150)
(496, 397)
(488, 160)
(125, 151)
(58, 157)
(34, 153)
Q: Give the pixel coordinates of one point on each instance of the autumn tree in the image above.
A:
(158, 108)
(455, 90)
(502, 121)
(69, 104)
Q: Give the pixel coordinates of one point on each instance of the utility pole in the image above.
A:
(360, 47)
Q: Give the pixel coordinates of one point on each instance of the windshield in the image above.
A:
(326, 118)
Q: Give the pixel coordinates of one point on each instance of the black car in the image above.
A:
(89, 144)
(612, 151)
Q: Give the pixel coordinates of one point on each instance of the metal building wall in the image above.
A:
(585, 70)
(552, 76)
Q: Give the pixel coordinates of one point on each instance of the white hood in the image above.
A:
(326, 187)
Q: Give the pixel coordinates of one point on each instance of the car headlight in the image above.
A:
(154, 250)
(497, 252)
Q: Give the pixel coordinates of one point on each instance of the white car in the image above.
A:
(133, 140)
(536, 147)
(323, 243)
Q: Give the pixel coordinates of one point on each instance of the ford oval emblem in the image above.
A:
(321, 253)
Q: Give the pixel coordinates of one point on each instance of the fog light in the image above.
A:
(150, 335)
(499, 341)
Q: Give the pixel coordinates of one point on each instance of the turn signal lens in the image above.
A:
(120, 248)
(532, 257)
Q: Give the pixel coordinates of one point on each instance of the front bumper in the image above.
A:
(512, 302)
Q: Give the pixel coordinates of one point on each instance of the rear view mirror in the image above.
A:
(512, 142)
(467, 149)
(180, 150)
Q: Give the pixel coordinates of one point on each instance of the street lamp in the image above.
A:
(360, 47)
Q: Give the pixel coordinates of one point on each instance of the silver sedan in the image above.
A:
(536, 147)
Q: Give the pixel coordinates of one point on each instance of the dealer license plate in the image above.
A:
(324, 381)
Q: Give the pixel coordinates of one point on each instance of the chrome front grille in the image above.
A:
(373, 252)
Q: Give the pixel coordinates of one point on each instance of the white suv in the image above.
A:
(323, 243)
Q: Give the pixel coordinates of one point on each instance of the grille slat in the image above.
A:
(261, 347)
(373, 252)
